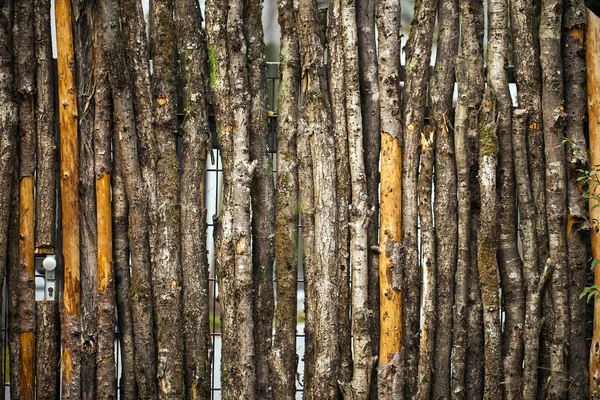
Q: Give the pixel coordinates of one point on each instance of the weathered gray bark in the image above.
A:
(120, 212)
(167, 273)
(12, 287)
(575, 108)
(84, 73)
(263, 193)
(337, 96)
(48, 351)
(509, 260)
(191, 44)
(418, 53)
(284, 362)
(553, 121)
(140, 289)
(364, 360)
(487, 245)
(322, 284)
(45, 205)
(445, 203)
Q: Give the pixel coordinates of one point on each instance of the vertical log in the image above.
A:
(528, 77)
(48, 351)
(140, 291)
(418, 53)
(122, 277)
(286, 208)
(445, 203)
(167, 273)
(191, 43)
(509, 260)
(67, 100)
(593, 92)
(262, 192)
(391, 360)
(105, 289)
(45, 189)
(13, 267)
(24, 56)
(364, 360)
(553, 128)
(337, 95)
(573, 47)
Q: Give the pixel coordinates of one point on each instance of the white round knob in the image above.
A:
(49, 263)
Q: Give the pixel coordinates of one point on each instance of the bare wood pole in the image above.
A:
(391, 360)
(45, 206)
(24, 50)
(283, 374)
(593, 92)
(70, 312)
(191, 43)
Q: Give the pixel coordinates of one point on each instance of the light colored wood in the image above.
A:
(104, 226)
(27, 365)
(593, 86)
(390, 300)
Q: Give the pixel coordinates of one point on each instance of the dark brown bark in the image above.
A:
(418, 49)
(140, 290)
(553, 118)
(284, 361)
(487, 245)
(167, 273)
(13, 287)
(191, 43)
(509, 261)
(337, 96)
(322, 278)
(120, 212)
(262, 192)
(369, 97)
(445, 203)
(25, 68)
(48, 351)
(575, 109)
(86, 93)
(45, 125)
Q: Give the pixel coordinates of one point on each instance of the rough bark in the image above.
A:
(140, 290)
(390, 298)
(105, 286)
(593, 91)
(553, 128)
(369, 97)
(167, 272)
(69, 173)
(25, 68)
(284, 362)
(418, 53)
(575, 109)
(364, 360)
(263, 193)
(45, 189)
(531, 275)
(428, 264)
(120, 212)
(487, 245)
(191, 43)
(337, 96)
(445, 202)
(509, 260)
(321, 269)
(14, 346)
(48, 351)
(461, 297)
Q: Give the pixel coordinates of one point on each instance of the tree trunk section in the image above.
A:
(284, 362)
(445, 202)
(14, 345)
(69, 182)
(48, 351)
(45, 189)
